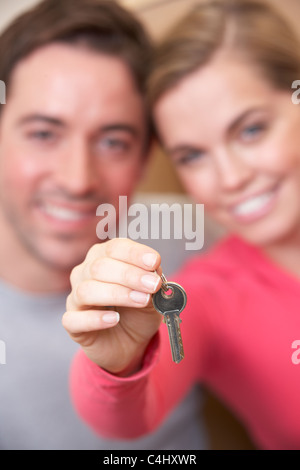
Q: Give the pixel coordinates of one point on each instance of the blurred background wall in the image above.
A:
(225, 431)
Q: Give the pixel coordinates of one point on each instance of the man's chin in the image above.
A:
(62, 258)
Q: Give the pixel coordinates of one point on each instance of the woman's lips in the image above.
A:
(255, 207)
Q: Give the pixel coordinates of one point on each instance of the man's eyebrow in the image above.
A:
(119, 127)
(31, 118)
(40, 118)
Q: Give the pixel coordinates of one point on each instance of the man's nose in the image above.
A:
(76, 172)
(234, 171)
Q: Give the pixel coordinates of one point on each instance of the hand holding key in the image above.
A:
(116, 276)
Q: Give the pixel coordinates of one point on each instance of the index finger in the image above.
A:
(128, 251)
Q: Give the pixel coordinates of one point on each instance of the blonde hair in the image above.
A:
(252, 29)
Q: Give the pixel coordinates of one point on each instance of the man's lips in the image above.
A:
(67, 212)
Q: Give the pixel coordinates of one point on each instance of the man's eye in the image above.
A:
(42, 135)
(113, 145)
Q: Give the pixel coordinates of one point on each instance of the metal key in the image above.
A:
(170, 300)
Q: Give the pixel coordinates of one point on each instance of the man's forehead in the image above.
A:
(60, 61)
(60, 80)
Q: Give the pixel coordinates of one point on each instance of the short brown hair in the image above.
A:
(101, 25)
(253, 29)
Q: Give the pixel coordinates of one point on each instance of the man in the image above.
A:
(73, 134)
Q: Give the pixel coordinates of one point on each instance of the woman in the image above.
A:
(221, 98)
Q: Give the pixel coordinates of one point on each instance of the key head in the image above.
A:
(174, 299)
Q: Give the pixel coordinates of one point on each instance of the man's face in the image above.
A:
(72, 136)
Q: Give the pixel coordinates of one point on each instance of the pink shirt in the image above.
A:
(241, 320)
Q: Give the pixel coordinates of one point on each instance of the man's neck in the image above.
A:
(30, 279)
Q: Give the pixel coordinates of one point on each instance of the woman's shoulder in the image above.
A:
(226, 257)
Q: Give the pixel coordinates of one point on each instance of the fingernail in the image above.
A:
(111, 317)
(149, 259)
(150, 281)
(139, 297)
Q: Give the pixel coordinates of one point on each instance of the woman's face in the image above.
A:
(235, 142)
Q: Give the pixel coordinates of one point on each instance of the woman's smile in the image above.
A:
(238, 152)
(254, 207)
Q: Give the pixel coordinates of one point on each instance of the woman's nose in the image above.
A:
(234, 171)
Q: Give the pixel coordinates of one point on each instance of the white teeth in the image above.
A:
(253, 205)
(63, 213)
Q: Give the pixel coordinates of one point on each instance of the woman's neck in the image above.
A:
(286, 253)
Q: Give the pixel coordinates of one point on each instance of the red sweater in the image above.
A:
(238, 328)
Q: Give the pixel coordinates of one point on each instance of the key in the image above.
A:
(170, 301)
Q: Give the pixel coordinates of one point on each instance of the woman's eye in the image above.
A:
(190, 157)
(252, 132)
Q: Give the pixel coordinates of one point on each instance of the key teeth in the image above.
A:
(178, 360)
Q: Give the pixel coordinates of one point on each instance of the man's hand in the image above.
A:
(117, 276)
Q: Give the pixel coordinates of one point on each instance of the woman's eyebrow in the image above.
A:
(181, 148)
(237, 121)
